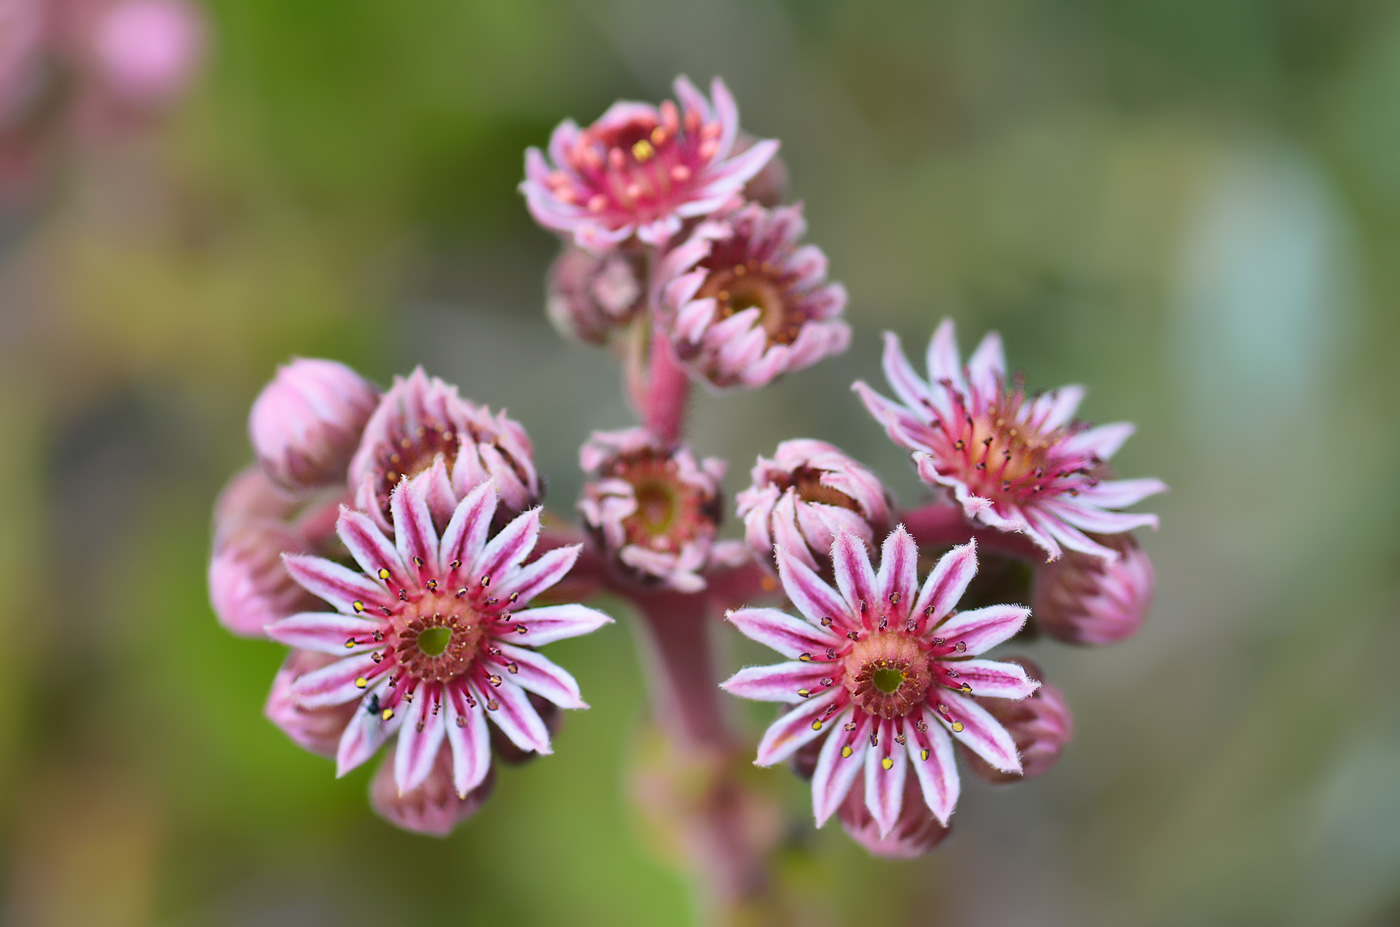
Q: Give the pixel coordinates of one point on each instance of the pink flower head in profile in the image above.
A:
(593, 296)
(654, 510)
(804, 497)
(1086, 600)
(249, 588)
(432, 807)
(914, 833)
(147, 51)
(1013, 461)
(744, 303)
(885, 671)
(306, 423)
(640, 169)
(424, 432)
(434, 637)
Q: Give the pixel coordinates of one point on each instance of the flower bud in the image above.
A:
(1040, 724)
(654, 511)
(433, 808)
(591, 296)
(306, 423)
(146, 51)
(251, 496)
(805, 497)
(915, 832)
(249, 587)
(1084, 599)
(317, 730)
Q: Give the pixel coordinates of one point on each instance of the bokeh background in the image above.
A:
(1193, 207)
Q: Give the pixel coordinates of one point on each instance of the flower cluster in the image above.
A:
(395, 541)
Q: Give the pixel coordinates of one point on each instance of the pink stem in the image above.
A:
(939, 524)
(685, 690)
(668, 388)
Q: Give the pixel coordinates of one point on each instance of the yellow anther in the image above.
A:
(642, 150)
(923, 754)
(817, 724)
(957, 727)
(887, 763)
(383, 573)
(357, 606)
(361, 682)
(804, 692)
(845, 751)
(387, 714)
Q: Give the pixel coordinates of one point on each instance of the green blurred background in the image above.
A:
(1193, 207)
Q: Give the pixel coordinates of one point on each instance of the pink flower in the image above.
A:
(769, 186)
(884, 670)
(1013, 461)
(146, 51)
(424, 432)
(307, 422)
(1041, 725)
(641, 169)
(1086, 600)
(433, 807)
(434, 637)
(654, 510)
(593, 296)
(316, 730)
(915, 832)
(745, 304)
(805, 497)
(249, 588)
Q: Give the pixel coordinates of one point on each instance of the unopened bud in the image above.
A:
(591, 296)
(1040, 723)
(1088, 600)
(915, 832)
(306, 423)
(433, 808)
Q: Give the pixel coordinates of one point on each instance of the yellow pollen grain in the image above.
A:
(923, 754)
(361, 682)
(817, 724)
(887, 763)
(357, 606)
(383, 573)
(642, 150)
(846, 751)
(957, 727)
(387, 714)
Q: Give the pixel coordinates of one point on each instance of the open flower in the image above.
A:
(745, 303)
(427, 434)
(641, 169)
(885, 671)
(654, 510)
(434, 637)
(1013, 461)
(804, 497)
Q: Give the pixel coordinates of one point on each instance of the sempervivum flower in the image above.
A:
(146, 51)
(1013, 461)
(654, 509)
(1085, 600)
(885, 670)
(804, 497)
(424, 432)
(306, 423)
(914, 833)
(744, 303)
(434, 637)
(433, 807)
(590, 296)
(1041, 725)
(249, 588)
(641, 169)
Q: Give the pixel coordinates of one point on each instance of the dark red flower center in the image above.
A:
(737, 282)
(436, 638)
(887, 674)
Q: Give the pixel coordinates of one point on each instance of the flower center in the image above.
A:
(412, 454)
(887, 674)
(670, 513)
(437, 638)
(807, 481)
(751, 284)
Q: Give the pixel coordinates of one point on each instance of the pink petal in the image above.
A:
(803, 724)
(1056, 407)
(537, 674)
(372, 551)
(419, 739)
(946, 584)
(981, 733)
(339, 586)
(907, 384)
(334, 684)
(363, 737)
(788, 635)
(884, 788)
(898, 580)
(832, 780)
(556, 622)
(938, 773)
(1102, 442)
(987, 366)
(515, 716)
(539, 575)
(943, 360)
(1117, 494)
(469, 739)
(776, 683)
(415, 539)
(509, 547)
(854, 577)
(466, 532)
(324, 632)
(810, 593)
(981, 629)
(1093, 519)
(992, 679)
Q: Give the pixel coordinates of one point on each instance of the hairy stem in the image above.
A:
(668, 389)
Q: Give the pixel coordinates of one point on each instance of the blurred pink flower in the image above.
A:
(640, 169)
(249, 587)
(891, 665)
(1013, 461)
(744, 303)
(915, 831)
(306, 424)
(317, 730)
(654, 510)
(1041, 725)
(434, 636)
(592, 296)
(804, 497)
(433, 807)
(424, 432)
(147, 51)
(1085, 600)
(21, 44)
